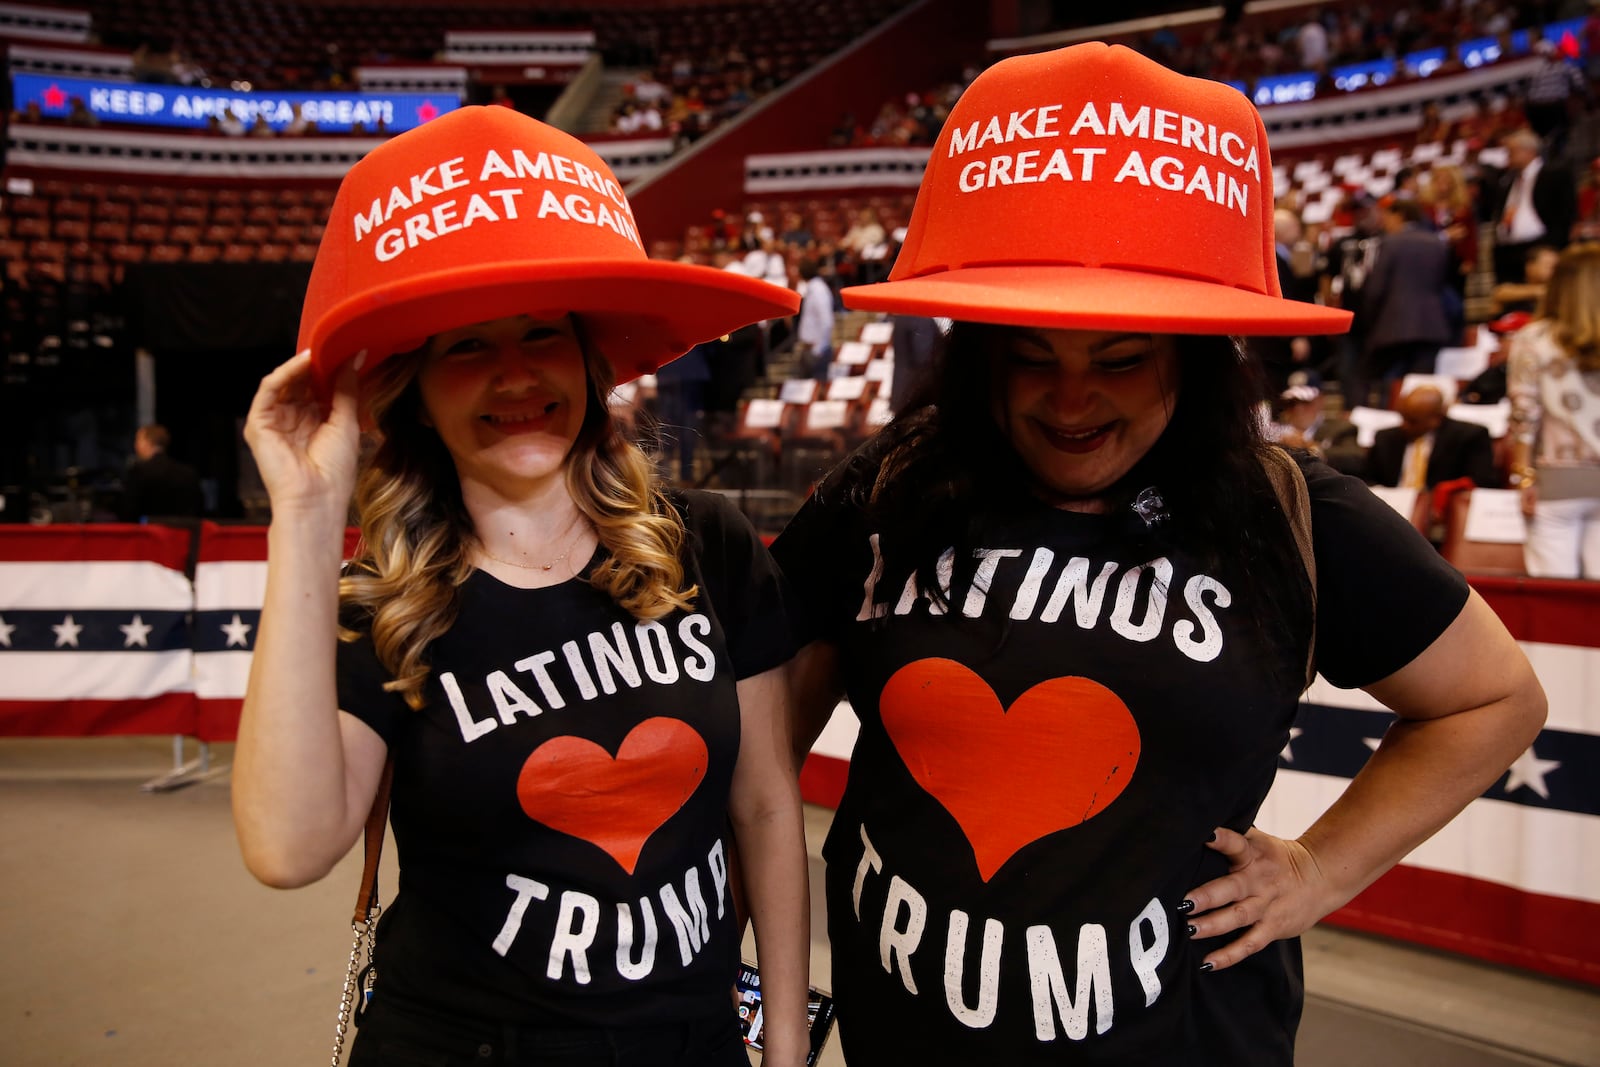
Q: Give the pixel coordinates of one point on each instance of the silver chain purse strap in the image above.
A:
(359, 979)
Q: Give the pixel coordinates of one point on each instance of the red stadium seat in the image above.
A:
(1476, 557)
(167, 253)
(34, 226)
(111, 231)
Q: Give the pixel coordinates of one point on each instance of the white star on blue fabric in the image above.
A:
(5, 631)
(238, 632)
(67, 633)
(1288, 748)
(1529, 771)
(136, 632)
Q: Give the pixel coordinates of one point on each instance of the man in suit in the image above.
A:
(1286, 361)
(1403, 301)
(1533, 202)
(156, 485)
(1428, 448)
(915, 340)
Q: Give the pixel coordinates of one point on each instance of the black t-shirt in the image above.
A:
(560, 804)
(1040, 767)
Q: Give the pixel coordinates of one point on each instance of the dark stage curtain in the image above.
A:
(180, 308)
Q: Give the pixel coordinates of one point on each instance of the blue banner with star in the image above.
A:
(1336, 741)
(142, 104)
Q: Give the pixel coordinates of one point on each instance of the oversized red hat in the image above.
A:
(483, 213)
(1092, 188)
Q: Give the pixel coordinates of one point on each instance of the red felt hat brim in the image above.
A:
(1096, 298)
(639, 314)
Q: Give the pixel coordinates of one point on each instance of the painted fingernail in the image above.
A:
(1185, 908)
(1207, 967)
(1213, 837)
(1191, 929)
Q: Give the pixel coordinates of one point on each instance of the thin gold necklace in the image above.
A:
(533, 566)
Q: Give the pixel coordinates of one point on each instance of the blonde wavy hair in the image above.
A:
(1572, 303)
(1448, 186)
(417, 537)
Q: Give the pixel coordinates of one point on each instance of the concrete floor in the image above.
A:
(134, 937)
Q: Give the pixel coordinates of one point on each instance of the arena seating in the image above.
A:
(295, 43)
(785, 442)
(106, 226)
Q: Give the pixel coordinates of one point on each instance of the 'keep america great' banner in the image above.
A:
(185, 106)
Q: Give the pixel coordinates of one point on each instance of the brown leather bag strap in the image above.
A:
(1289, 483)
(377, 819)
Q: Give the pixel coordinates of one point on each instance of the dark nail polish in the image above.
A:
(1185, 908)
(1207, 967)
(1191, 929)
(1213, 837)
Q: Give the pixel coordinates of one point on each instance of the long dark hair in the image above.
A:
(943, 470)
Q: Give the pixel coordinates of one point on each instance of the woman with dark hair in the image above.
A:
(572, 676)
(1072, 595)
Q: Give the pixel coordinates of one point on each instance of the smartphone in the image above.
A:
(819, 1012)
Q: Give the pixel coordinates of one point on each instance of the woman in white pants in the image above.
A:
(1555, 396)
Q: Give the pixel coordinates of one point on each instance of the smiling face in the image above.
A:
(1081, 407)
(507, 398)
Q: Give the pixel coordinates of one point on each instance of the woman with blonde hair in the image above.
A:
(1553, 378)
(1449, 202)
(572, 673)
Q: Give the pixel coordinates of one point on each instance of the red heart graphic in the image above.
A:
(1057, 757)
(573, 785)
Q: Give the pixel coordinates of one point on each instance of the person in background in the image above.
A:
(1554, 383)
(1532, 201)
(1435, 128)
(915, 341)
(1429, 447)
(1538, 265)
(1286, 358)
(156, 485)
(681, 395)
(1404, 305)
(1552, 88)
(1068, 610)
(1299, 415)
(1449, 204)
(815, 329)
